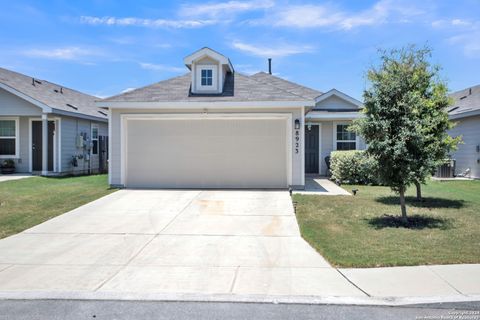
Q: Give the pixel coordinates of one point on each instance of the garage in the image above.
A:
(206, 151)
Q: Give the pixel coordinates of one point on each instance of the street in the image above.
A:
(145, 310)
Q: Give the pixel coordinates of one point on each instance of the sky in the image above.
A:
(105, 47)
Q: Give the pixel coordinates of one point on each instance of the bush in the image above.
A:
(353, 167)
(9, 163)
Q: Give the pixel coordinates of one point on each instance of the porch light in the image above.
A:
(297, 124)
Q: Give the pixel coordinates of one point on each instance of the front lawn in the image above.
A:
(27, 202)
(360, 231)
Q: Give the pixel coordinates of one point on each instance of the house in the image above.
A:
(466, 113)
(49, 129)
(217, 128)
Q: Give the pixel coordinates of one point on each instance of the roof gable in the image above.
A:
(49, 96)
(332, 98)
(206, 52)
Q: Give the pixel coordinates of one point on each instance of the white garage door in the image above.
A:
(206, 153)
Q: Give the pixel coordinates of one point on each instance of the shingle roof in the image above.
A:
(466, 100)
(238, 87)
(49, 94)
(286, 85)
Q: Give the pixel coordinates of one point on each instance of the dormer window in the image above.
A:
(207, 77)
(209, 71)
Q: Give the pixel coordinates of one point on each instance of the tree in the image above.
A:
(405, 119)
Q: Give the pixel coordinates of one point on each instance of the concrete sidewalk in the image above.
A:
(204, 246)
(14, 176)
(322, 186)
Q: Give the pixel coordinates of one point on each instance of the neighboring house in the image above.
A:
(466, 113)
(49, 129)
(217, 128)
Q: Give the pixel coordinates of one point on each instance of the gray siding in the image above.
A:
(11, 105)
(71, 128)
(327, 142)
(23, 162)
(467, 155)
(335, 102)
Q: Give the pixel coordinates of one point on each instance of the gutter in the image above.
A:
(204, 104)
(78, 115)
(464, 114)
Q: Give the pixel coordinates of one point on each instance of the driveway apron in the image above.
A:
(171, 241)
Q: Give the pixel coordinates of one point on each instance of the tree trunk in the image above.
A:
(419, 190)
(402, 205)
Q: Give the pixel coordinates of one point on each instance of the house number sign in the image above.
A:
(297, 141)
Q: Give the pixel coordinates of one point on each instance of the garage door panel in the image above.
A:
(207, 153)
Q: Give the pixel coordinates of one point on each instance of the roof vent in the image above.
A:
(461, 98)
(469, 91)
(452, 109)
(101, 112)
(72, 106)
(59, 91)
(35, 81)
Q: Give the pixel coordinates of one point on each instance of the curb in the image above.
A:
(188, 297)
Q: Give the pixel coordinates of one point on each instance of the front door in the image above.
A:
(311, 149)
(37, 145)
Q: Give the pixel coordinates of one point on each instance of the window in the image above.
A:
(345, 140)
(207, 77)
(94, 139)
(8, 138)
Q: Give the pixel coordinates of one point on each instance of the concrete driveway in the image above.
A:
(171, 241)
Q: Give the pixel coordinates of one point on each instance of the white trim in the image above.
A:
(109, 163)
(59, 129)
(199, 88)
(464, 114)
(339, 94)
(335, 135)
(93, 126)
(57, 147)
(204, 104)
(207, 52)
(302, 146)
(320, 160)
(37, 103)
(218, 116)
(325, 115)
(17, 138)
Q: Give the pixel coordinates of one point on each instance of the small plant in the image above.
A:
(8, 166)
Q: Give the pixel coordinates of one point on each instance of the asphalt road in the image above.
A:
(145, 310)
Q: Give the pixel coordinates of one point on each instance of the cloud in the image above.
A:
(148, 23)
(160, 67)
(469, 42)
(67, 53)
(270, 52)
(330, 16)
(452, 23)
(224, 8)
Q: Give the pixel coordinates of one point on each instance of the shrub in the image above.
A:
(353, 166)
(8, 163)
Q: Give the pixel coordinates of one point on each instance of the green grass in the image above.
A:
(27, 202)
(364, 231)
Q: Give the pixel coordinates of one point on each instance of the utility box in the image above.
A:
(446, 170)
